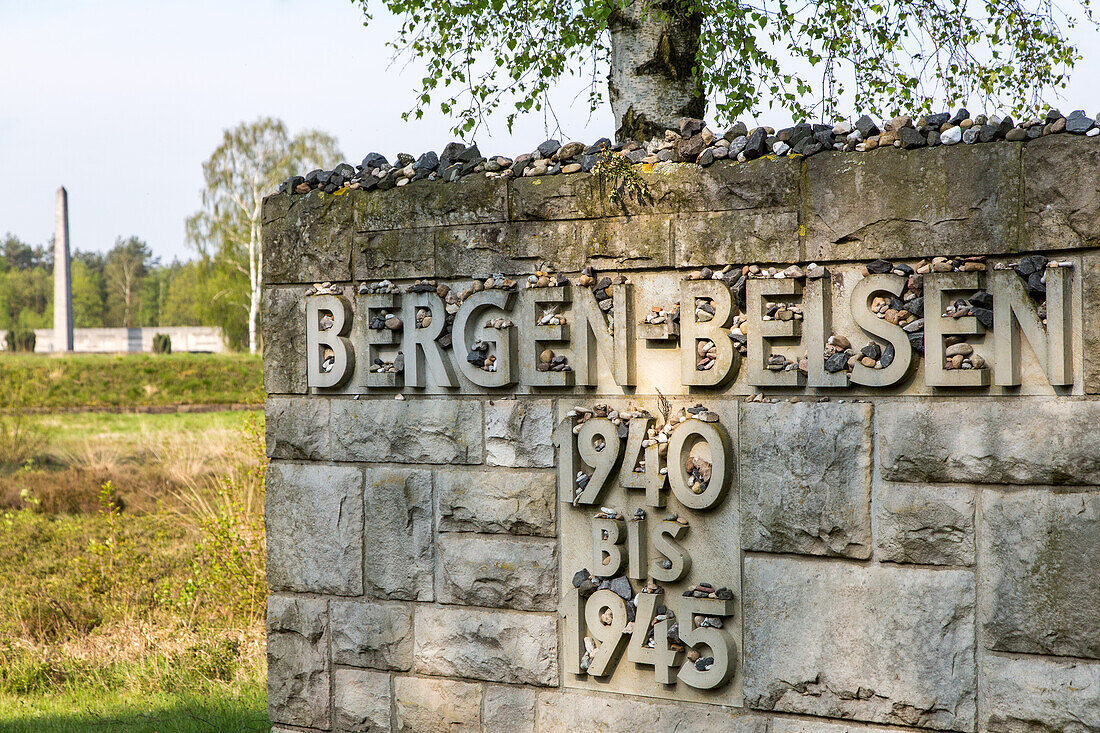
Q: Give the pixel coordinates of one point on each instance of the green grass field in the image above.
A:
(135, 380)
(137, 607)
(238, 708)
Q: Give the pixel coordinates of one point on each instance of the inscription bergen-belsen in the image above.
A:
(489, 338)
(632, 487)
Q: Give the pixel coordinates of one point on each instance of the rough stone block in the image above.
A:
(518, 433)
(917, 203)
(1040, 695)
(497, 501)
(736, 236)
(1021, 441)
(436, 706)
(297, 661)
(806, 478)
(485, 570)
(511, 248)
(497, 646)
(557, 197)
(366, 634)
(361, 701)
(472, 200)
(274, 207)
(724, 186)
(927, 525)
(1090, 323)
(296, 428)
(1061, 210)
(315, 528)
(874, 643)
(398, 533)
(394, 253)
(284, 331)
(634, 242)
(792, 725)
(1041, 572)
(311, 242)
(510, 709)
(411, 431)
(587, 712)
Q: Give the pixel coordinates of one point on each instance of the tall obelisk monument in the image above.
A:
(62, 278)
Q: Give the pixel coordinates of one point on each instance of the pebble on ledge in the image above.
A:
(695, 143)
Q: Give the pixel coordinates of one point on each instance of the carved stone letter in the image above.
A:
(423, 355)
(692, 332)
(872, 324)
(936, 286)
(1015, 311)
(332, 339)
(762, 333)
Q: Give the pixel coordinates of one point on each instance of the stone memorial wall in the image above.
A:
(795, 445)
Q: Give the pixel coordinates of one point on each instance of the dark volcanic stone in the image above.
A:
(580, 576)
(470, 155)
(602, 144)
(961, 115)
(1036, 288)
(887, 357)
(880, 267)
(450, 154)
(522, 163)
(987, 133)
(1078, 122)
(866, 127)
(798, 133)
(872, 350)
(621, 587)
(938, 119)
(1030, 264)
(548, 148)
(374, 160)
(755, 147)
(836, 362)
(981, 299)
(916, 340)
(738, 130)
(453, 172)
(426, 163)
(984, 315)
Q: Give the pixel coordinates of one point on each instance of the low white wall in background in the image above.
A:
(135, 340)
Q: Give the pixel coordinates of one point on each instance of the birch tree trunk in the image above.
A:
(255, 267)
(651, 85)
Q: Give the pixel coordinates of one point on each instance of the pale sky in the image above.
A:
(122, 100)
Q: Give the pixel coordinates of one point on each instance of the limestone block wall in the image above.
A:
(907, 557)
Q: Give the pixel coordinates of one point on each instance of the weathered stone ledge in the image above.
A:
(994, 199)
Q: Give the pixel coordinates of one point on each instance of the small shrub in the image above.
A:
(230, 566)
(20, 341)
(21, 439)
(622, 180)
(162, 344)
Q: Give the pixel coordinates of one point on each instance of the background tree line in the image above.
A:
(128, 287)
(125, 287)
